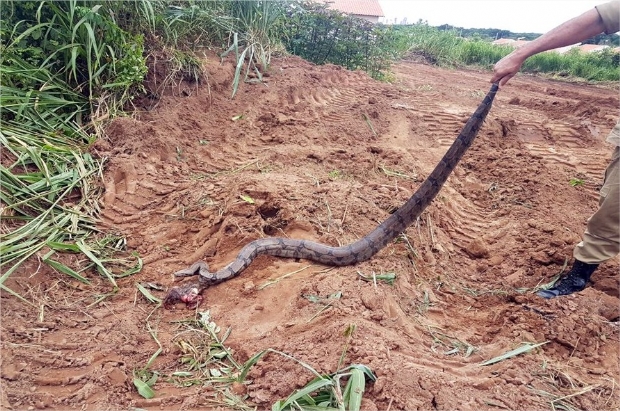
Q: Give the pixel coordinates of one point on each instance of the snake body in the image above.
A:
(356, 252)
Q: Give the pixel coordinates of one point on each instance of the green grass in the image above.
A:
(446, 48)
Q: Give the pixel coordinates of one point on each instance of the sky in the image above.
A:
(521, 16)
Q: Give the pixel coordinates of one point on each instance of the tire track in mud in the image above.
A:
(66, 369)
(549, 143)
(333, 98)
(462, 221)
(563, 143)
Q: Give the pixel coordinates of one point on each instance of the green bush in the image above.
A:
(320, 35)
(76, 41)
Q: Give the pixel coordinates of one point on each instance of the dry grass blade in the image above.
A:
(513, 353)
(367, 119)
(277, 280)
(147, 294)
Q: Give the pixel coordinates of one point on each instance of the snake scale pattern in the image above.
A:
(354, 253)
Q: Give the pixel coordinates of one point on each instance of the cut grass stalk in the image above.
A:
(526, 347)
(389, 278)
(49, 200)
(147, 294)
(277, 280)
(367, 119)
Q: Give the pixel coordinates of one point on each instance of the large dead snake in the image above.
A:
(359, 251)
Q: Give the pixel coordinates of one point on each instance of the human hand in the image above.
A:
(506, 68)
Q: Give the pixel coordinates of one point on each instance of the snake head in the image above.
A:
(190, 295)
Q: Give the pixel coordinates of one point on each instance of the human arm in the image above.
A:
(573, 31)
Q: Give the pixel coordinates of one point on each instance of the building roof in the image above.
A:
(357, 7)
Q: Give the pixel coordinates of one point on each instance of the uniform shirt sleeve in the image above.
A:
(610, 14)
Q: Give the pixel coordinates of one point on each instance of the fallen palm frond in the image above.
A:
(49, 198)
(326, 392)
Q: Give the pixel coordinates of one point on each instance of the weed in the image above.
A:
(204, 355)
(388, 278)
(575, 182)
(144, 379)
(326, 391)
(399, 174)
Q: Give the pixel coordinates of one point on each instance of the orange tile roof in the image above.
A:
(358, 7)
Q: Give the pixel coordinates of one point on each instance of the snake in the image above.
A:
(354, 253)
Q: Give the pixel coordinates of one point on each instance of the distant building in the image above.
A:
(590, 48)
(584, 48)
(510, 42)
(365, 9)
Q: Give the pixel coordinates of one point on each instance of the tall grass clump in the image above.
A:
(255, 31)
(76, 41)
(595, 66)
(481, 53)
(447, 48)
(437, 47)
(249, 30)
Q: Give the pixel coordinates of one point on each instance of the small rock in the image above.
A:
(478, 249)
(248, 286)
(485, 384)
(238, 388)
(542, 258)
(496, 260)
(371, 300)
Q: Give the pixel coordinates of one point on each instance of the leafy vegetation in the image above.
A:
(491, 34)
(207, 361)
(321, 35)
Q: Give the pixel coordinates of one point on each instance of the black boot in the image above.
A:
(575, 281)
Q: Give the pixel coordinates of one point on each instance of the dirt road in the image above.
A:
(326, 154)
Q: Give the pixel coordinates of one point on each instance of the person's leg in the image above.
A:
(601, 240)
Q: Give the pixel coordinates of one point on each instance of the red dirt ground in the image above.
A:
(505, 222)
